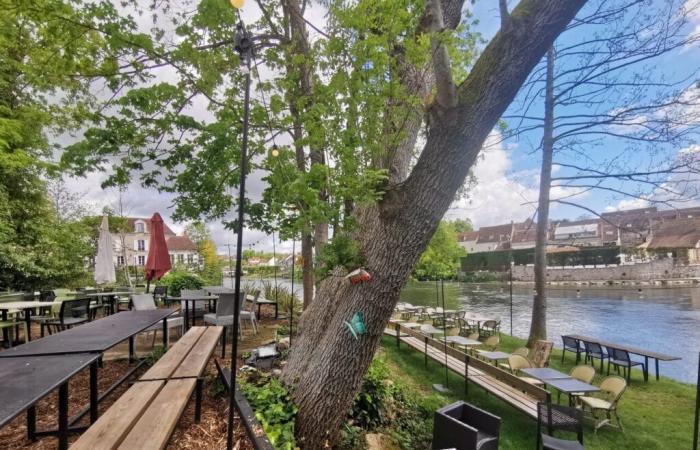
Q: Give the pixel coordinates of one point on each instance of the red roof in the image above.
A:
(147, 221)
(681, 233)
(468, 236)
(180, 243)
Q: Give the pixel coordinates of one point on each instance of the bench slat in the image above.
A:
(169, 362)
(153, 431)
(198, 358)
(110, 429)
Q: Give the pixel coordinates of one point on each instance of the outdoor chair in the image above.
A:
(581, 373)
(490, 344)
(594, 351)
(462, 426)
(117, 301)
(426, 314)
(522, 351)
(541, 353)
(491, 327)
(621, 358)
(611, 389)
(13, 326)
(145, 302)
(45, 312)
(474, 336)
(249, 314)
(160, 293)
(223, 316)
(551, 417)
(571, 345)
(518, 362)
(71, 313)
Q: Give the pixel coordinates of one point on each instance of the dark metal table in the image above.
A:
(94, 337)
(570, 386)
(26, 380)
(630, 349)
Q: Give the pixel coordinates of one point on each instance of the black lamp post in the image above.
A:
(244, 47)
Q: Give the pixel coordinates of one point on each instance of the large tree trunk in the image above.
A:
(326, 363)
(538, 325)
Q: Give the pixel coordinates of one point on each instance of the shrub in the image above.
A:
(343, 252)
(368, 409)
(177, 280)
(274, 408)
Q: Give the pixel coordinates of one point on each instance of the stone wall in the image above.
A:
(655, 270)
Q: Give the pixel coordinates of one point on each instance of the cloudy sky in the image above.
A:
(506, 176)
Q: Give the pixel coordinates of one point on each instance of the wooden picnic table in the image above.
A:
(631, 349)
(27, 308)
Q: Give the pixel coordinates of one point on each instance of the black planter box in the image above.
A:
(462, 426)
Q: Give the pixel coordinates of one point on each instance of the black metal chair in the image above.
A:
(594, 351)
(621, 358)
(160, 293)
(491, 327)
(465, 427)
(557, 417)
(45, 312)
(571, 345)
(72, 313)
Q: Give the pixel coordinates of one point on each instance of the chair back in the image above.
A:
(47, 296)
(570, 343)
(583, 373)
(76, 308)
(193, 293)
(558, 417)
(143, 302)
(522, 351)
(517, 362)
(160, 292)
(474, 336)
(492, 342)
(618, 354)
(593, 347)
(613, 386)
(541, 353)
(225, 306)
(255, 295)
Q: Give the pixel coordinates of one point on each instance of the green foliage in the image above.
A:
(441, 259)
(211, 264)
(274, 409)
(341, 251)
(176, 280)
(155, 355)
(283, 295)
(368, 409)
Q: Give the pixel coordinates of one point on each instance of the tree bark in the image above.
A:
(538, 325)
(326, 364)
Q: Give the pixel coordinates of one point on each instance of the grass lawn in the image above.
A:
(655, 415)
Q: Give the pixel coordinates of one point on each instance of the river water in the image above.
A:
(666, 320)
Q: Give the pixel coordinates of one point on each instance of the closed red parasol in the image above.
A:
(158, 262)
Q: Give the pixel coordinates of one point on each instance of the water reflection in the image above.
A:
(661, 319)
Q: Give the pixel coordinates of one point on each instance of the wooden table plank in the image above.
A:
(110, 430)
(157, 423)
(170, 361)
(197, 359)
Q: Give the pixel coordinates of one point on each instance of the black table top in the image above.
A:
(96, 336)
(25, 380)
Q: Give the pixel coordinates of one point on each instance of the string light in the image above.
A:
(238, 4)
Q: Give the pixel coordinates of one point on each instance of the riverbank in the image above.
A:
(656, 415)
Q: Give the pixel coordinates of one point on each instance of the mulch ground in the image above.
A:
(209, 434)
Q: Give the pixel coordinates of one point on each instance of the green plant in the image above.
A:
(352, 438)
(283, 296)
(178, 280)
(342, 251)
(368, 409)
(274, 408)
(155, 355)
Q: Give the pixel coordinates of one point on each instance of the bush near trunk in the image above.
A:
(177, 281)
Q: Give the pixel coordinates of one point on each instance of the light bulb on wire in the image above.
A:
(238, 4)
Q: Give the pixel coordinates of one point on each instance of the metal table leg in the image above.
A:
(93, 392)
(165, 333)
(5, 331)
(656, 360)
(63, 416)
(28, 321)
(131, 349)
(31, 423)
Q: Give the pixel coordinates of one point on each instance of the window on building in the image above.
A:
(181, 258)
(190, 258)
(141, 260)
(120, 260)
(141, 245)
(140, 227)
(172, 259)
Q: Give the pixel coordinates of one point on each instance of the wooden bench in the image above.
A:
(146, 415)
(501, 383)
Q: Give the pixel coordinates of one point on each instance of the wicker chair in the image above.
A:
(522, 351)
(462, 426)
(541, 353)
(581, 373)
(557, 417)
(612, 387)
(518, 362)
(490, 344)
(491, 327)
